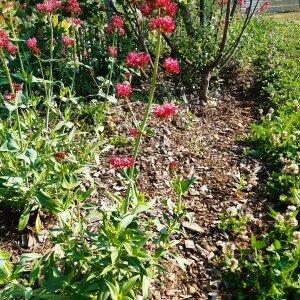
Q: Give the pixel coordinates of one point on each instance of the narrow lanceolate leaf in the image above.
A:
(24, 218)
(125, 222)
(145, 286)
(129, 284)
(38, 224)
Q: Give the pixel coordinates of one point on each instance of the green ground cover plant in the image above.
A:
(270, 268)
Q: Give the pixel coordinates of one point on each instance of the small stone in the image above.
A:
(171, 293)
(189, 244)
(191, 290)
(193, 227)
(212, 296)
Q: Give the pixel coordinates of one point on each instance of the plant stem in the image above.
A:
(74, 55)
(18, 54)
(111, 68)
(50, 92)
(145, 120)
(6, 69)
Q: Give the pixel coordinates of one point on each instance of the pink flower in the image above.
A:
(74, 21)
(164, 24)
(72, 6)
(112, 51)
(18, 87)
(171, 8)
(165, 111)
(4, 40)
(171, 65)
(117, 22)
(133, 132)
(10, 97)
(161, 3)
(120, 162)
(123, 89)
(31, 43)
(137, 59)
(146, 8)
(48, 6)
(67, 41)
(11, 48)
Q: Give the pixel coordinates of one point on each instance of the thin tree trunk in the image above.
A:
(202, 12)
(204, 87)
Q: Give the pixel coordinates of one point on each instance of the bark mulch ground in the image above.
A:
(207, 148)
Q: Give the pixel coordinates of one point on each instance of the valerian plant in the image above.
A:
(99, 253)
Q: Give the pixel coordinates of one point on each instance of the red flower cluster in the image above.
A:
(120, 162)
(17, 87)
(116, 24)
(168, 6)
(4, 40)
(165, 111)
(32, 44)
(123, 89)
(5, 43)
(48, 6)
(10, 97)
(137, 59)
(11, 48)
(173, 165)
(171, 65)
(67, 41)
(133, 132)
(112, 51)
(146, 8)
(60, 155)
(72, 6)
(164, 24)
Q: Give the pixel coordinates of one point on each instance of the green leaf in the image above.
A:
(277, 245)
(125, 222)
(146, 282)
(114, 290)
(182, 186)
(29, 156)
(257, 244)
(3, 80)
(186, 184)
(182, 262)
(10, 144)
(38, 224)
(128, 285)
(53, 205)
(5, 266)
(24, 218)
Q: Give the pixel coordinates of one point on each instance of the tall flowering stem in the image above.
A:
(50, 92)
(111, 66)
(11, 85)
(143, 125)
(74, 53)
(18, 51)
